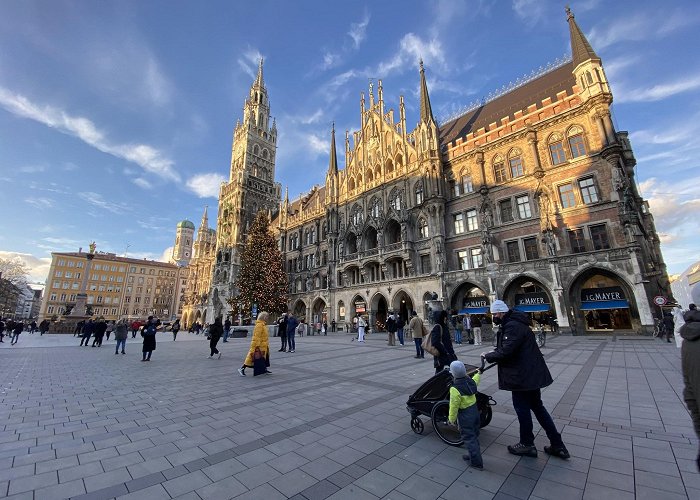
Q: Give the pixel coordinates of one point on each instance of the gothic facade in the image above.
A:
(529, 197)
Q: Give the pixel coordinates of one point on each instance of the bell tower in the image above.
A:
(251, 188)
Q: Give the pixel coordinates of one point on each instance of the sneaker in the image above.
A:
(523, 450)
(292, 350)
(557, 451)
(268, 372)
(468, 459)
(123, 352)
(219, 355)
(241, 372)
(280, 350)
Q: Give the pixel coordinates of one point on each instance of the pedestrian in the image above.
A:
(99, 332)
(324, 328)
(667, 322)
(440, 338)
(32, 327)
(361, 325)
(175, 328)
(301, 327)
(292, 324)
(678, 323)
(457, 323)
(282, 332)
(260, 341)
(690, 363)
(227, 329)
(148, 332)
(79, 328)
(417, 330)
(2, 331)
(333, 325)
(121, 332)
(523, 371)
(110, 329)
(17, 328)
(44, 327)
(476, 329)
(400, 324)
(135, 326)
(463, 408)
(87, 330)
(216, 330)
(391, 328)
(467, 328)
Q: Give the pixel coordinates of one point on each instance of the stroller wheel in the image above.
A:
(448, 433)
(417, 425)
(485, 415)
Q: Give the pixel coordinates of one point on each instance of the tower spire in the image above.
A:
(205, 219)
(581, 50)
(333, 162)
(426, 111)
(259, 79)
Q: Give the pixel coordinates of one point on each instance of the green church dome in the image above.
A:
(185, 224)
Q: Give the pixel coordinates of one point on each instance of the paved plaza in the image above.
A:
(330, 422)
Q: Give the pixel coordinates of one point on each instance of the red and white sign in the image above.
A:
(659, 300)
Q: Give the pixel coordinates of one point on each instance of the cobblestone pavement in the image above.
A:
(330, 422)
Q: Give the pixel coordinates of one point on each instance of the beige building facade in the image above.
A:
(529, 197)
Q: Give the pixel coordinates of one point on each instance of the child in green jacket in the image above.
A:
(463, 407)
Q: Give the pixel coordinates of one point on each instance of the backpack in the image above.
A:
(149, 329)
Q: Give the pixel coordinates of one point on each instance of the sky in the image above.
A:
(116, 117)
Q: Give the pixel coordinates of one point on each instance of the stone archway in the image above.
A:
(357, 307)
(378, 312)
(402, 304)
(319, 314)
(299, 310)
(531, 296)
(601, 301)
(470, 298)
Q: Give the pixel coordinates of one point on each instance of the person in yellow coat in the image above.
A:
(260, 340)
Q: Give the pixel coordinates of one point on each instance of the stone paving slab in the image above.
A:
(330, 422)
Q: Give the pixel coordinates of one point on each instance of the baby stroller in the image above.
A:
(432, 399)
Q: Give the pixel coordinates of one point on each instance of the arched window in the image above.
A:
(356, 215)
(369, 175)
(419, 192)
(351, 185)
(378, 171)
(422, 228)
(576, 142)
(389, 166)
(256, 150)
(589, 78)
(556, 149)
(265, 154)
(515, 160)
(375, 209)
(499, 170)
(395, 200)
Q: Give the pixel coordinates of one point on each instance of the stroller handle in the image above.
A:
(483, 367)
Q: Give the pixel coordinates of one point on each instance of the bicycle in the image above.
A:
(540, 337)
(659, 330)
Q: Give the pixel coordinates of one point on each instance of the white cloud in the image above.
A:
(166, 255)
(317, 144)
(32, 169)
(310, 119)
(358, 31)
(249, 61)
(330, 60)
(39, 202)
(412, 48)
(206, 185)
(157, 86)
(98, 201)
(141, 182)
(530, 11)
(147, 157)
(38, 266)
(659, 91)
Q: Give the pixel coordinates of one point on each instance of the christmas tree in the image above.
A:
(261, 279)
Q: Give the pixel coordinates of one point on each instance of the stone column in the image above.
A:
(532, 141)
(481, 170)
(80, 308)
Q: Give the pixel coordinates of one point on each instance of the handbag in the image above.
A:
(428, 345)
(259, 364)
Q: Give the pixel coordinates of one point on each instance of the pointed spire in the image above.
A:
(259, 80)
(333, 162)
(426, 112)
(581, 50)
(204, 225)
(286, 195)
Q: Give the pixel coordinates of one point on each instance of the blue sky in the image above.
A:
(116, 117)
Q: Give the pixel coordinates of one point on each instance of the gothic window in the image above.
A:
(505, 207)
(576, 240)
(523, 203)
(395, 200)
(515, 160)
(576, 142)
(472, 220)
(265, 154)
(419, 192)
(351, 185)
(375, 209)
(389, 166)
(566, 195)
(599, 237)
(356, 215)
(589, 192)
(458, 221)
(556, 149)
(467, 184)
(422, 228)
(477, 259)
(256, 150)
(499, 170)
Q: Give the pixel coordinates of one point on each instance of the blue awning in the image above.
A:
(533, 308)
(605, 304)
(474, 310)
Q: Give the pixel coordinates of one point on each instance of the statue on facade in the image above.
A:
(92, 247)
(308, 283)
(619, 180)
(486, 212)
(550, 243)
(545, 212)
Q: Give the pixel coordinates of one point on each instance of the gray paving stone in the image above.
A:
(30, 483)
(518, 486)
(63, 490)
(186, 483)
(597, 492)
(224, 489)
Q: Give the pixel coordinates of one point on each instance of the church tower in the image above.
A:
(251, 188)
(184, 240)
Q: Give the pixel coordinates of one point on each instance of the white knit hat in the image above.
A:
(498, 306)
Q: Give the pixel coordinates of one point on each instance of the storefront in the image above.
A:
(532, 302)
(605, 309)
(475, 305)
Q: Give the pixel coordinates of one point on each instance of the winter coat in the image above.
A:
(415, 326)
(391, 325)
(521, 366)
(100, 329)
(291, 325)
(176, 327)
(690, 362)
(216, 330)
(121, 331)
(149, 341)
(261, 340)
(440, 338)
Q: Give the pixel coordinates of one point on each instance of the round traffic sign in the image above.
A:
(659, 300)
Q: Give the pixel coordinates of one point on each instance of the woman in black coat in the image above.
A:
(148, 332)
(440, 338)
(215, 332)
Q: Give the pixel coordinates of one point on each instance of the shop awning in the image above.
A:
(605, 304)
(474, 310)
(532, 308)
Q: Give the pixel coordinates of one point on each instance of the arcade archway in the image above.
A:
(319, 314)
(378, 312)
(470, 298)
(299, 310)
(403, 305)
(530, 296)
